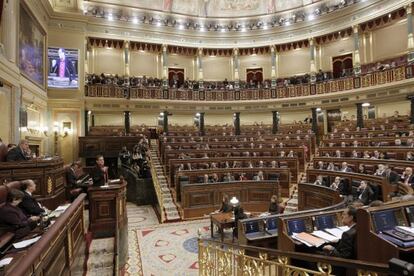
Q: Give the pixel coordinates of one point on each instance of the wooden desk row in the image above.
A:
(398, 153)
(371, 165)
(208, 138)
(183, 178)
(175, 154)
(371, 246)
(367, 133)
(365, 142)
(291, 163)
(109, 146)
(198, 200)
(47, 174)
(263, 231)
(266, 143)
(381, 182)
(60, 250)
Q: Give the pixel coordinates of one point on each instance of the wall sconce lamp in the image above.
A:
(62, 131)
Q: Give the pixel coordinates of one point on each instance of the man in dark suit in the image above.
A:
(29, 204)
(346, 247)
(365, 193)
(19, 153)
(407, 178)
(64, 67)
(99, 174)
(12, 217)
(345, 168)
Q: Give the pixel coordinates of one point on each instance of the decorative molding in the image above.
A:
(353, 15)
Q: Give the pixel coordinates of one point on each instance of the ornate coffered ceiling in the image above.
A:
(162, 21)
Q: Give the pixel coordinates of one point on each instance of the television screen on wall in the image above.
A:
(63, 68)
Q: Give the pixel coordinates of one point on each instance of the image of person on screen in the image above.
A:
(63, 67)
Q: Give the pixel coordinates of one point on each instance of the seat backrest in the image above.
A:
(4, 189)
(252, 227)
(3, 152)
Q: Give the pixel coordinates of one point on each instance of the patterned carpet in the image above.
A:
(167, 249)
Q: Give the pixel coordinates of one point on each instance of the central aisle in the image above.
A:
(162, 249)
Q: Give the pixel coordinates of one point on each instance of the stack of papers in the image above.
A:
(325, 236)
(338, 231)
(409, 230)
(5, 261)
(308, 239)
(59, 210)
(319, 237)
(62, 208)
(26, 243)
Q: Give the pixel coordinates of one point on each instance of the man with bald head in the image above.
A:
(29, 204)
(407, 178)
(19, 153)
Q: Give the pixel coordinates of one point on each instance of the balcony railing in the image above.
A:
(215, 258)
(338, 85)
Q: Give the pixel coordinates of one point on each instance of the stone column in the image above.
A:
(201, 124)
(200, 68)
(165, 122)
(357, 59)
(87, 113)
(164, 63)
(360, 115)
(127, 121)
(126, 58)
(17, 102)
(236, 122)
(312, 60)
(9, 24)
(86, 60)
(315, 128)
(410, 44)
(275, 125)
(236, 68)
(273, 62)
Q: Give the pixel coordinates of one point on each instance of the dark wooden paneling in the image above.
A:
(47, 174)
(201, 199)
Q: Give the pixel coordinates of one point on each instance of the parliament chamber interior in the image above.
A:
(206, 137)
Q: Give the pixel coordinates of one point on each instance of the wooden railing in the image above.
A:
(290, 91)
(60, 250)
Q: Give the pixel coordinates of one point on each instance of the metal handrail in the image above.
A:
(157, 187)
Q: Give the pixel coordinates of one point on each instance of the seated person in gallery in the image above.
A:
(259, 176)
(12, 217)
(99, 173)
(274, 207)
(29, 204)
(346, 247)
(124, 156)
(365, 193)
(228, 177)
(225, 205)
(407, 177)
(320, 181)
(19, 153)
